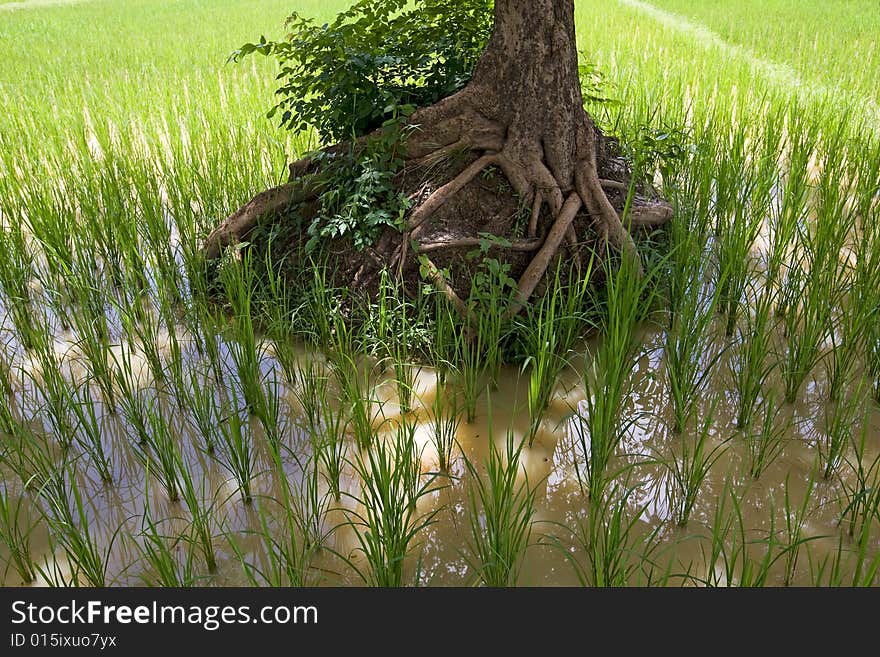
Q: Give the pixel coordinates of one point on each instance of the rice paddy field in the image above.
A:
(714, 423)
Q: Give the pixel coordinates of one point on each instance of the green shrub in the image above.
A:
(347, 78)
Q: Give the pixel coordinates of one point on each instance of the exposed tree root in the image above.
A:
(435, 200)
(442, 285)
(267, 203)
(536, 269)
(472, 242)
(461, 131)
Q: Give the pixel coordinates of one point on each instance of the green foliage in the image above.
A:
(347, 77)
(360, 196)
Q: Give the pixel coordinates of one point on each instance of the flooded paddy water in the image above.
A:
(791, 515)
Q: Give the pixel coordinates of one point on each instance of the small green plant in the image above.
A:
(691, 465)
(15, 533)
(861, 495)
(390, 522)
(501, 507)
(766, 443)
(749, 366)
(615, 551)
(445, 421)
(160, 552)
(548, 332)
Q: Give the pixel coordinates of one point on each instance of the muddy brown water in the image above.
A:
(440, 555)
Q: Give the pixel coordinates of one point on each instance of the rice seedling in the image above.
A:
(446, 416)
(749, 365)
(688, 349)
(607, 377)
(470, 368)
(202, 404)
(808, 315)
(861, 490)
(548, 332)
(389, 522)
(852, 564)
(278, 308)
(159, 452)
(741, 198)
(201, 512)
(326, 424)
(353, 372)
(72, 530)
(729, 560)
(615, 552)
(690, 467)
(162, 555)
(795, 522)
(397, 321)
(444, 346)
(16, 529)
(490, 297)
(309, 506)
(89, 433)
(89, 321)
(235, 451)
(55, 394)
(840, 420)
(767, 443)
(501, 506)
(16, 272)
(238, 278)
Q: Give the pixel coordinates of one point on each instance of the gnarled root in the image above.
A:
(247, 217)
(555, 184)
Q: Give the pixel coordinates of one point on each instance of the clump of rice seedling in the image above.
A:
(201, 529)
(353, 372)
(691, 311)
(445, 421)
(238, 278)
(795, 521)
(491, 296)
(161, 554)
(389, 524)
(749, 366)
(501, 507)
(607, 377)
(71, 529)
(730, 560)
(766, 443)
(15, 533)
(807, 302)
(288, 549)
(90, 323)
(861, 489)
(199, 399)
(397, 335)
(615, 552)
(840, 421)
(16, 272)
(158, 451)
(89, 432)
(741, 198)
(690, 467)
(328, 440)
(548, 333)
(235, 446)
